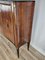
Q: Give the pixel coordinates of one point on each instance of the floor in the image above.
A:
(8, 51)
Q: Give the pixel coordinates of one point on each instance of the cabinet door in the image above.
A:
(8, 24)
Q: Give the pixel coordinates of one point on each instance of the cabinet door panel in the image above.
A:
(8, 25)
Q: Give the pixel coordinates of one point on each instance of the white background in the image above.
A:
(38, 30)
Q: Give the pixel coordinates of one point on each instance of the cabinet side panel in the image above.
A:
(24, 19)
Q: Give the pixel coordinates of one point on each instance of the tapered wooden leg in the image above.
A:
(18, 52)
(28, 44)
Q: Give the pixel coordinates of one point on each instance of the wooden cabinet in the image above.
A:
(17, 23)
(24, 18)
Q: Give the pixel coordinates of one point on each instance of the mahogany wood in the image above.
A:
(17, 24)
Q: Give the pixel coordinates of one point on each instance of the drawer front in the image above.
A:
(7, 25)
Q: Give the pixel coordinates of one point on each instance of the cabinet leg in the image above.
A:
(28, 44)
(18, 52)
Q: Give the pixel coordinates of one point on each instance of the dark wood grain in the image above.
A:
(24, 18)
(17, 24)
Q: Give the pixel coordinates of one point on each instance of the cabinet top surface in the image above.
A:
(9, 2)
(17, 0)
